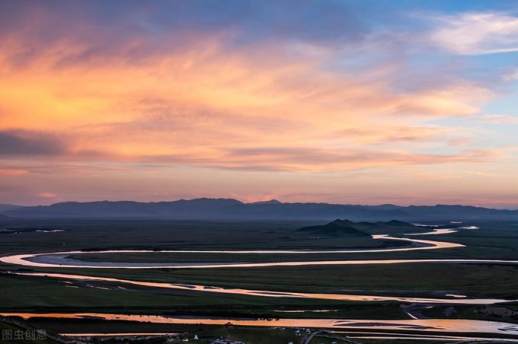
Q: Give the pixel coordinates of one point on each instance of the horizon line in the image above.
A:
(510, 207)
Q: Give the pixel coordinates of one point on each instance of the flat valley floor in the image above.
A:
(260, 282)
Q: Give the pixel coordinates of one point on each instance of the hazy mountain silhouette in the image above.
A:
(231, 209)
(346, 227)
(6, 207)
(336, 228)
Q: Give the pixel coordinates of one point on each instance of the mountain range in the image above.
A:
(231, 209)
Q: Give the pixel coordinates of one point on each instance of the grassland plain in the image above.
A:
(494, 240)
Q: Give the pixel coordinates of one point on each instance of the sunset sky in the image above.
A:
(405, 102)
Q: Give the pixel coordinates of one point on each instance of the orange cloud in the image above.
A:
(13, 172)
(318, 160)
(203, 101)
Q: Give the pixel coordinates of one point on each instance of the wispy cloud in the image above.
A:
(477, 33)
(500, 119)
(294, 159)
(511, 75)
(12, 172)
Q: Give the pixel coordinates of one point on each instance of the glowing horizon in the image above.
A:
(375, 102)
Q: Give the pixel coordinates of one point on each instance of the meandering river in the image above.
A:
(414, 325)
(267, 293)
(62, 260)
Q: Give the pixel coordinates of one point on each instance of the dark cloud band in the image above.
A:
(30, 143)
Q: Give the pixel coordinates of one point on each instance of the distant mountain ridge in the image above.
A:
(6, 207)
(231, 209)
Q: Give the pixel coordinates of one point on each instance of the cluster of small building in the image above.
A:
(226, 341)
(302, 332)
